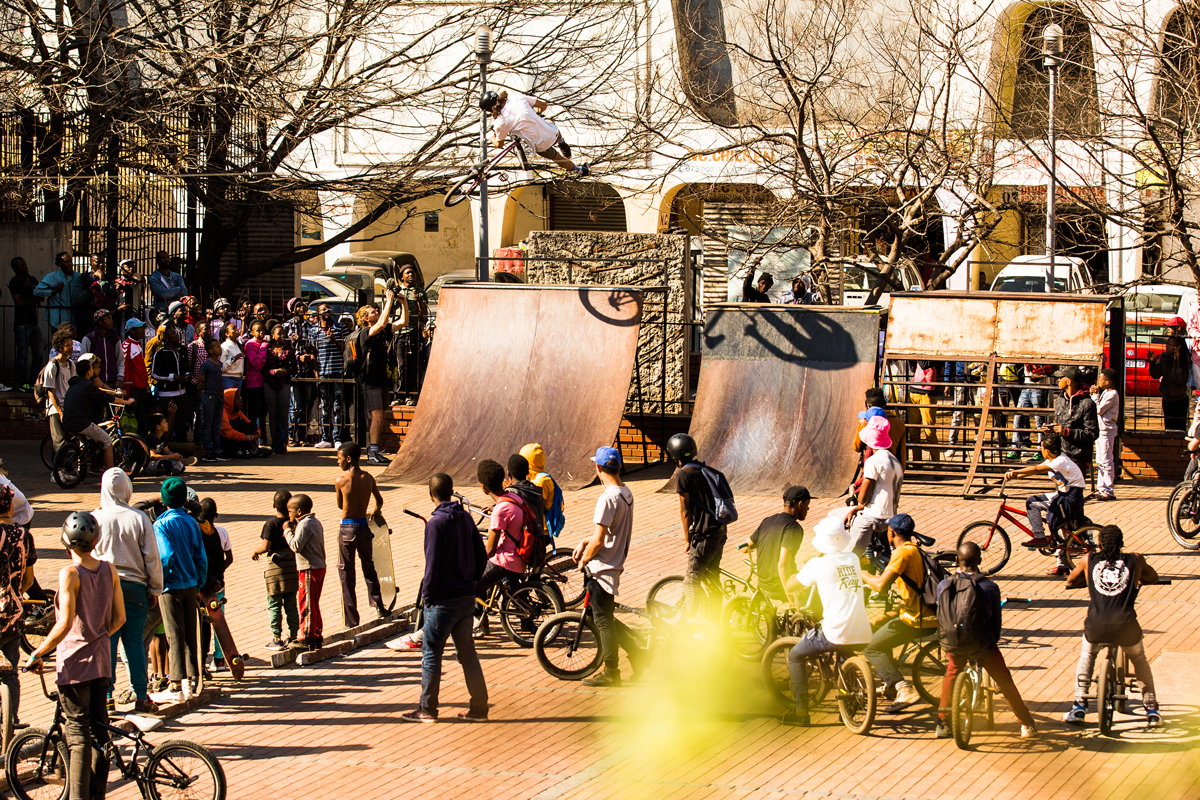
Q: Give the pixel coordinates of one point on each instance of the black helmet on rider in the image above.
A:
(80, 531)
(489, 100)
(681, 448)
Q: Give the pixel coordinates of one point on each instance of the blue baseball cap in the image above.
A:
(133, 322)
(902, 523)
(608, 457)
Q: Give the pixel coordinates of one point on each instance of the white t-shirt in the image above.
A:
(518, 117)
(1107, 409)
(883, 468)
(1065, 473)
(614, 510)
(226, 544)
(840, 587)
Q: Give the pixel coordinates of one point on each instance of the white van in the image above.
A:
(859, 279)
(1028, 274)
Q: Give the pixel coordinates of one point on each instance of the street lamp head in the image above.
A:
(483, 43)
(1052, 43)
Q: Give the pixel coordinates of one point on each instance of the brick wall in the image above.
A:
(1153, 455)
(638, 440)
(21, 417)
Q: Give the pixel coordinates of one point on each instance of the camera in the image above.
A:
(393, 286)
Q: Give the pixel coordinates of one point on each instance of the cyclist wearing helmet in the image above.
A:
(703, 533)
(91, 608)
(520, 115)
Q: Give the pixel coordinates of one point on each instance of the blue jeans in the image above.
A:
(230, 382)
(137, 608)
(210, 428)
(299, 412)
(880, 651)
(450, 620)
(331, 412)
(278, 410)
(29, 337)
(1029, 398)
(810, 644)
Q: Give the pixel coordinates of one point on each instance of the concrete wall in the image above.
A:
(36, 242)
(578, 257)
(450, 247)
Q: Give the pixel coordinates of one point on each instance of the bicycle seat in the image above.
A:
(145, 724)
(925, 541)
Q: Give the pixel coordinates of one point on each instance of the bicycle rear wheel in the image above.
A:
(38, 625)
(749, 622)
(1183, 516)
(565, 574)
(666, 599)
(993, 542)
(36, 767)
(567, 645)
(962, 709)
(182, 769)
(48, 451)
(130, 454)
(778, 680)
(523, 610)
(1105, 693)
(1076, 543)
(70, 464)
(928, 671)
(988, 688)
(856, 695)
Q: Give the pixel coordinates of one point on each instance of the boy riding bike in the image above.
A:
(520, 115)
(1062, 505)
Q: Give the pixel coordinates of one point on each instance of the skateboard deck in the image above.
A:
(216, 616)
(381, 550)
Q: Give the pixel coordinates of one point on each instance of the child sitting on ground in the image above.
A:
(239, 436)
(162, 460)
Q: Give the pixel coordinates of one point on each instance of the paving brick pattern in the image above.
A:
(695, 726)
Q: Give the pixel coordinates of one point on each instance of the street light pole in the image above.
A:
(1052, 50)
(483, 54)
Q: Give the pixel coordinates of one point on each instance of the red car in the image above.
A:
(1143, 341)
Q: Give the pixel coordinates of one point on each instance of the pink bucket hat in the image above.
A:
(875, 434)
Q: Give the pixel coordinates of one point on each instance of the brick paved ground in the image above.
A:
(681, 732)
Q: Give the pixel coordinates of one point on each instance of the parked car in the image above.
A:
(1155, 302)
(1028, 274)
(461, 276)
(314, 287)
(343, 309)
(371, 269)
(858, 280)
(1143, 342)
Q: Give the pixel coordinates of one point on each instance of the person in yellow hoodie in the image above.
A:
(551, 493)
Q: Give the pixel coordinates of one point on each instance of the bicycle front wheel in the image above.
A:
(524, 610)
(182, 769)
(130, 454)
(70, 465)
(994, 544)
(36, 766)
(1183, 516)
(462, 190)
(928, 671)
(988, 689)
(749, 622)
(1106, 691)
(856, 695)
(48, 451)
(567, 645)
(962, 709)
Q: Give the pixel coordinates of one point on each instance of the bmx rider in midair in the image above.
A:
(520, 115)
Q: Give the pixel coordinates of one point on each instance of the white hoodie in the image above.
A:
(127, 538)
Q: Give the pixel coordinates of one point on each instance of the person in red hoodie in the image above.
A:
(136, 381)
(239, 436)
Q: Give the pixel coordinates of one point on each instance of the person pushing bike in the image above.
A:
(520, 115)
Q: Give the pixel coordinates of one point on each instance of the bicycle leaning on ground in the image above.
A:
(36, 763)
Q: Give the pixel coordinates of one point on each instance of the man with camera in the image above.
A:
(375, 331)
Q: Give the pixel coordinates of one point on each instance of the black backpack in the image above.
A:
(354, 353)
(964, 619)
(935, 573)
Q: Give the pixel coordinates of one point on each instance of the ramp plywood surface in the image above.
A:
(512, 365)
(780, 388)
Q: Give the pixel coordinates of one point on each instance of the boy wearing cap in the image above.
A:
(777, 540)
(844, 621)
(91, 608)
(185, 567)
(1108, 408)
(879, 493)
(906, 570)
(603, 558)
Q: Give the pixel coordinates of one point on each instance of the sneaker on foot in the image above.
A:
(219, 665)
(406, 642)
(144, 705)
(905, 697)
(173, 694)
(1038, 542)
(1012, 455)
(1059, 570)
(942, 731)
(274, 644)
(4, 388)
(377, 459)
(1153, 718)
(1029, 732)
(1036, 458)
(473, 716)
(604, 677)
(417, 716)
(1076, 715)
(337, 445)
(795, 718)
(324, 445)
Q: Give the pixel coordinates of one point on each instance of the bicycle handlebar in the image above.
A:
(415, 514)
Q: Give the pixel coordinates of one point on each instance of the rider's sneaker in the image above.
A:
(407, 642)
(324, 445)
(582, 170)
(1029, 732)
(1038, 542)
(1059, 570)
(173, 694)
(4, 388)
(145, 706)
(605, 677)
(274, 644)
(905, 697)
(942, 731)
(1076, 715)
(795, 718)
(417, 716)
(1153, 718)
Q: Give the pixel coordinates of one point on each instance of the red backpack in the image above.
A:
(532, 545)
